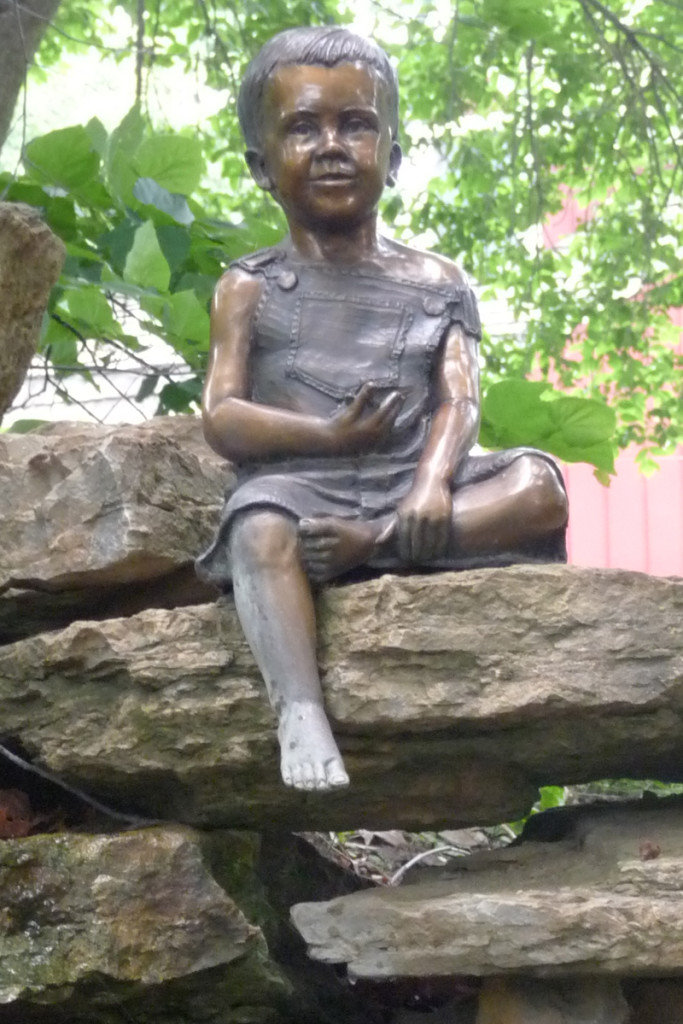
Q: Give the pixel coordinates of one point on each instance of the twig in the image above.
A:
(398, 875)
(636, 92)
(139, 50)
(660, 38)
(67, 35)
(214, 34)
(24, 102)
(43, 773)
(450, 106)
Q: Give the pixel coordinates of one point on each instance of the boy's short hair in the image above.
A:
(323, 45)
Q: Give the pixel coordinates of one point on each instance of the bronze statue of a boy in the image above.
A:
(343, 381)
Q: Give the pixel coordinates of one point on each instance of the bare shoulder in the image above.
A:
(238, 291)
(426, 267)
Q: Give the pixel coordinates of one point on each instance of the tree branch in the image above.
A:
(139, 50)
(21, 29)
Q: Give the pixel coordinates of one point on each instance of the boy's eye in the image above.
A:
(359, 124)
(301, 128)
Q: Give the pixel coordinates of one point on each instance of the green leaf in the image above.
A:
(519, 412)
(64, 157)
(583, 421)
(90, 307)
(123, 142)
(25, 426)
(175, 244)
(97, 134)
(147, 387)
(600, 455)
(149, 192)
(514, 413)
(116, 244)
(60, 214)
(24, 192)
(173, 161)
(59, 342)
(188, 319)
(551, 796)
(179, 397)
(146, 264)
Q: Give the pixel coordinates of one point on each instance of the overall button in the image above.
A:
(287, 280)
(434, 305)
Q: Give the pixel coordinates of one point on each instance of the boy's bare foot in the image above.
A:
(330, 546)
(309, 755)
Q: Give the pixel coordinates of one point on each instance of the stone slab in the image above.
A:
(454, 697)
(606, 899)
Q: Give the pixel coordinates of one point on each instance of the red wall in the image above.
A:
(635, 523)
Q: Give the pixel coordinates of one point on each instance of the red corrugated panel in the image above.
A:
(664, 492)
(587, 535)
(635, 523)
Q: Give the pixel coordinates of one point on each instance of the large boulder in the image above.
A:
(31, 259)
(133, 919)
(163, 926)
(605, 897)
(454, 697)
(104, 520)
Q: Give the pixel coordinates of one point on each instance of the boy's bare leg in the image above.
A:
(523, 503)
(275, 607)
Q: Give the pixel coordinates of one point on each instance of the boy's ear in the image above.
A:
(257, 166)
(395, 158)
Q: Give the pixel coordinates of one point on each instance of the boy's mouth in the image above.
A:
(332, 174)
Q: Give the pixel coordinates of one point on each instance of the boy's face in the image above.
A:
(326, 144)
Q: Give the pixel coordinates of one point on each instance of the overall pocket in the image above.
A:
(338, 344)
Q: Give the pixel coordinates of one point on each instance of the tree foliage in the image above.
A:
(521, 105)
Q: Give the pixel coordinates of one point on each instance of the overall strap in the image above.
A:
(264, 261)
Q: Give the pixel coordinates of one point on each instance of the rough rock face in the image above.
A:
(454, 695)
(607, 898)
(31, 259)
(110, 909)
(94, 508)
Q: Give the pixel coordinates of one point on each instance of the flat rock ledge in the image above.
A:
(454, 697)
(607, 899)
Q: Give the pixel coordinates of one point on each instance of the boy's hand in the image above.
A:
(361, 425)
(424, 522)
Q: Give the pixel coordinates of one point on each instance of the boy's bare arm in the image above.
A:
(424, 515)
(242, 430)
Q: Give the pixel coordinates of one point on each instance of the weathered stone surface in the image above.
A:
(166, 926)
(135, 907)
(31, 259)
(530, 1001)
(455, 696)
(607, 899)
(87, 507)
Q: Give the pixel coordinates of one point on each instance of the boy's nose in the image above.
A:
(330, 140)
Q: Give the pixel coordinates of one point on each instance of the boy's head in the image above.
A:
(326, 46)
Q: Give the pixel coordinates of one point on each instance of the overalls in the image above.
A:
(319, 333)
